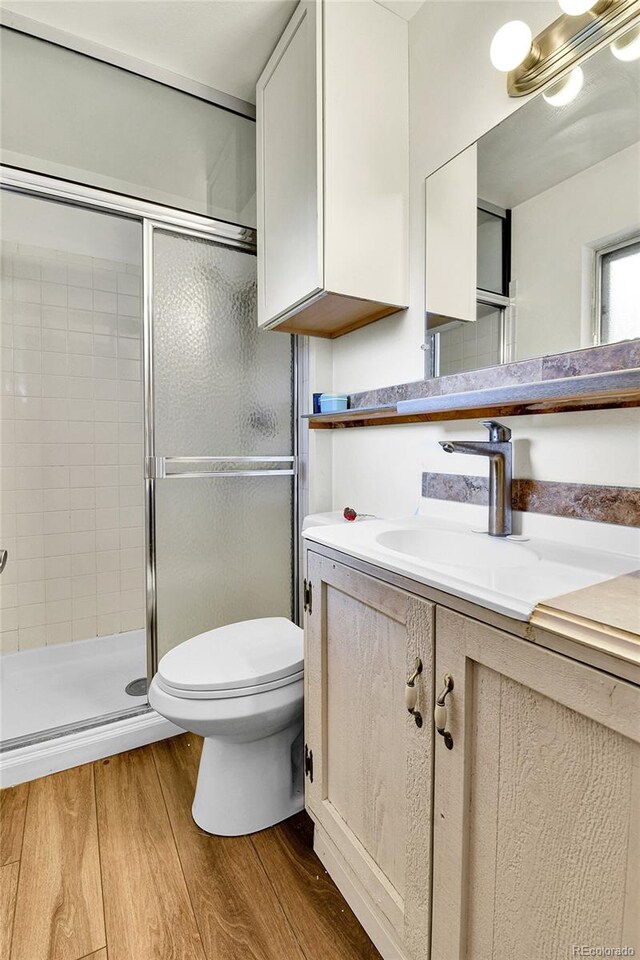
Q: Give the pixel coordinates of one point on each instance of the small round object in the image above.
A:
(574, 8)
(627, 47)
(511, 45)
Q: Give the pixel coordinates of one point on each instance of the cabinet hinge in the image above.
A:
(308, 763)
(307, 596)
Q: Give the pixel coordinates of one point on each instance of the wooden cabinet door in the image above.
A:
(289, 167)
(537, 804)
(371, 788)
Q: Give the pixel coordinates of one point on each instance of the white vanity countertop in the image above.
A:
(508, 576)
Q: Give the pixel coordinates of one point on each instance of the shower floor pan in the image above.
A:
(69, 683)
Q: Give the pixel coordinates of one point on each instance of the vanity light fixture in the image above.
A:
(551, 59)
(627, 47)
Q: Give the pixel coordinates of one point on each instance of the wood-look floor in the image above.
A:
(104, 862)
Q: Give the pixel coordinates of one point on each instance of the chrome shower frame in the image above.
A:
(154, 217)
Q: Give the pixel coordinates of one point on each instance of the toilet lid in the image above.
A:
(245, 654)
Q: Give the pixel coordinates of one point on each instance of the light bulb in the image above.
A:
(627, 47)
(511, 45)
(562, 92)
(575, 7)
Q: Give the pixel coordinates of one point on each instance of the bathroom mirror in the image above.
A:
(533, 232)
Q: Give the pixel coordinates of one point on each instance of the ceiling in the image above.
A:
(221, 43)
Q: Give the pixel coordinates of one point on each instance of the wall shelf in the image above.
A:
(599, 391)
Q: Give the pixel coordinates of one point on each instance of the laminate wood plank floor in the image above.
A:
(106, 863)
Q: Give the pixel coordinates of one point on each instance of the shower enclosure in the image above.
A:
(149, 485)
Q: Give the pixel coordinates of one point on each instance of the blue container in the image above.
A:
(333, 402)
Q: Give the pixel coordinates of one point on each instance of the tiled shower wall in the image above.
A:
(71, 483)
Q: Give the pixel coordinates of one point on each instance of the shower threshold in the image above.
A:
(50, 690)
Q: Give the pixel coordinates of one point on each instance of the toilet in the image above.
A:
(241, 688)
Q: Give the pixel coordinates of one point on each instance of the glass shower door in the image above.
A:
(220, 466)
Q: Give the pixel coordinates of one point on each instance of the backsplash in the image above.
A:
(71, 490)
(582, 501)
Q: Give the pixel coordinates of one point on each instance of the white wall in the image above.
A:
(552, 235)
(455, 97)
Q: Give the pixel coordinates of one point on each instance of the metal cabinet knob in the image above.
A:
(4, 556)
(440, 712)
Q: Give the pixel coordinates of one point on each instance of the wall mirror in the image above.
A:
(533, 232)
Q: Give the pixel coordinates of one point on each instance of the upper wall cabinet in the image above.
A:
(333, 170)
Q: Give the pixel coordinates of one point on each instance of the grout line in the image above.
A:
(15, 905)
(177, 848)
(95, 810)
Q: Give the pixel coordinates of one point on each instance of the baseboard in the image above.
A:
(61, 753)
(375, 928)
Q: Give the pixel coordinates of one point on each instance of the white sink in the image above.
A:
(447, 548)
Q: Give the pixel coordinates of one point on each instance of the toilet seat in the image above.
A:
(237, 660)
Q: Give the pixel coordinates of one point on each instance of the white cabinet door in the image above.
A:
(371, 786)
(537, 804)
(289, 142)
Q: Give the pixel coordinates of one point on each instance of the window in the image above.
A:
(618, 286)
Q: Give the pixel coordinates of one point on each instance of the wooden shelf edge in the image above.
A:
(601, 391)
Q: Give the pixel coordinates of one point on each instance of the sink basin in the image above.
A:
(444, 548)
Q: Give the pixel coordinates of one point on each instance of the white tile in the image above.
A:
(131, 558)
(132, 620)
(105, 346)
(28, 478)
(57, 521)
(9, 640)
(105, 368)
(54, 341)
(55, 408)
(128, 306)
(129, 327)
(84, 629)
(55, 477)
(129, 284)
(83, 564)
(80, 388)
(80, 321)
(56, 499)
(108, 603)
(55, 363)
(54, 386)
(108, 582)
(106, 324)
(131, 537)
(28, 408)
(54, 294)
(59, 632)
(29, 525)
(81, 431)
(84, 498)
(28, 548)
(107, 560)
(106, 497)
(130, 517)
(55, 455)
(27, 338)
(27, 268)
(28, 314)
(31, 637)
(27, 501)
(28, 291)
(108, 624)
(107, 539)
(105, 302)
(81, 409)
(9, 595)
(57, 544)
(83, 520)
(106, 432)
(27, 361)
(54, 318)
(131, 496)
(82, 476)
(80, 365)
(106, 454)
(107, 476)
(129, 412)
(131, 433)
(80, 298)
(106, 410)
(106, 518)
(56, 567)
(31, 592)
(84, 607)
(80, 343)
(10, 619)
(84, 586)
(59, 611)
(107, 389)
(56, 431)
(31, 615)
(53, 271)
(82, 542)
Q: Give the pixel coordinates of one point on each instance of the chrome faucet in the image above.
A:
(498, 449)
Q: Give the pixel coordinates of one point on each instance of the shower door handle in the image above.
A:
(4, 556)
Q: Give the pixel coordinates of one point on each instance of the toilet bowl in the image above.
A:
(241, 688)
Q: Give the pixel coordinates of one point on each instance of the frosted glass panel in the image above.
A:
(223, 553)
(222, 386)
(69, 116)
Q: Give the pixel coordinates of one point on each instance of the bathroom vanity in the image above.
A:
(514, 831)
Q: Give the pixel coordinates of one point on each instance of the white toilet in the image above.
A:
(241, 688)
